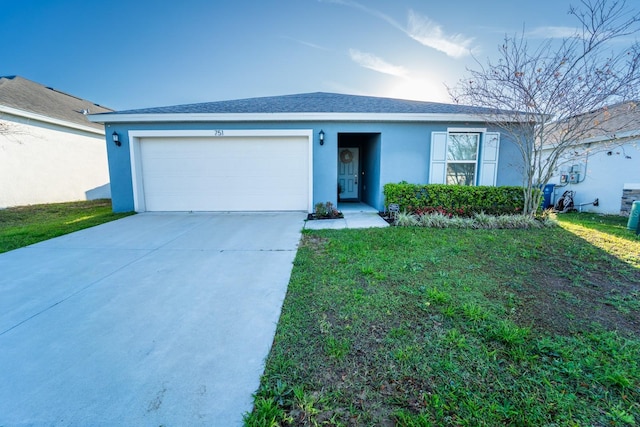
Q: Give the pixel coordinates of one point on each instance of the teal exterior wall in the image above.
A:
(393, 152)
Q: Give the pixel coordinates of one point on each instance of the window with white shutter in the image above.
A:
(464, 158)
(489, 160)
(438, 157)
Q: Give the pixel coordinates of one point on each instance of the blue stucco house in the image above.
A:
(290, 152)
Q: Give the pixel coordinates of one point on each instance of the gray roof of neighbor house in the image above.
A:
(616, 122)
(615, 119)
(318, 102)
(25, 95)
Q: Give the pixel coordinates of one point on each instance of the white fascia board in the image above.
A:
(46, 119)
(469, 130)
(283, 117)
(615, 136)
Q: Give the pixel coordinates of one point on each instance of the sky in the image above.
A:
(127, 54)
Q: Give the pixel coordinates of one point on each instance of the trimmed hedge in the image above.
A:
(459, 200)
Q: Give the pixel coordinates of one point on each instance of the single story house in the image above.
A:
(605, 165)
(291, 152)
(49, 151)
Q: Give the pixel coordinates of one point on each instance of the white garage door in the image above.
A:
(230, 173)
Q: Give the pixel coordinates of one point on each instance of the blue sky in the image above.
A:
(142, 53)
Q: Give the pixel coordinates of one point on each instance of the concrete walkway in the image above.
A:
(356, 215)
(154, 319)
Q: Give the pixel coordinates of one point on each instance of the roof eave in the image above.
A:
(290, 117)
(617, 137)
(45, 119)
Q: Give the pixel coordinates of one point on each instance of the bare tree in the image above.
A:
(556, 93)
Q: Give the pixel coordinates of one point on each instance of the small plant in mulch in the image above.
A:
(325, 211)
(387, 217)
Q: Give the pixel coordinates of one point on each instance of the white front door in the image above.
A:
(348, 172)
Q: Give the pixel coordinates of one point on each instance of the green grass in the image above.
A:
(614, 225)
(448, 327)
(25, 225)
(607, 232)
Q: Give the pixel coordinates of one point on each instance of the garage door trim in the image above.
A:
(136, 136)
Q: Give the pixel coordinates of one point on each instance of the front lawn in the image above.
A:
(446, 327)
(608, 232)
(25, 225)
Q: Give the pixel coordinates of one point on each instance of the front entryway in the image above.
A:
(358, 173)
(348, 170)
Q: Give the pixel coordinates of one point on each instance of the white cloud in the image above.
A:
(372, 62)
(370, 11)
(420, 28)
(552, 32)
(429, 33)
(308, 44)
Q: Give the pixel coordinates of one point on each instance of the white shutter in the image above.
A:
(437, 170)
(489, 160)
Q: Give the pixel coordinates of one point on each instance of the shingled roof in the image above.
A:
(318, 102)
(616, 122)
(25, 95)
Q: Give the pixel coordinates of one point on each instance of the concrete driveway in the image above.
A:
(154, 319)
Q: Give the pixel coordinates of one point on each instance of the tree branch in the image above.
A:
(563, 87)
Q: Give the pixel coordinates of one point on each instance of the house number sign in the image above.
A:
(218, 132)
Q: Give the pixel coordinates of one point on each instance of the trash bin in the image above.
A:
(634, 215)
(547, 196)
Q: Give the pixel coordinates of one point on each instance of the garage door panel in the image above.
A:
(225, 174)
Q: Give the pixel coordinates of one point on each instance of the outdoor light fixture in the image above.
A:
(116, 138)
(321, 135)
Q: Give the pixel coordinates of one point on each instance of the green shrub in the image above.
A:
(455, 200)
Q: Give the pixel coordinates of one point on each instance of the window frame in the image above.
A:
(487, 161)
(475, 162)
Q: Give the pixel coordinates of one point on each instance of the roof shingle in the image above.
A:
(318, 102)
(26, 95)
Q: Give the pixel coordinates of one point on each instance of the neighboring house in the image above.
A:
(291, 152)
(606, 165)
(49, 151)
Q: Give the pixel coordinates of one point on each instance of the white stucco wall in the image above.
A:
(602, 175)
(45, 163)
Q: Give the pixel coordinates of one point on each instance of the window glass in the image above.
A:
(462, 146)
(461, 173)
(462, 154)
